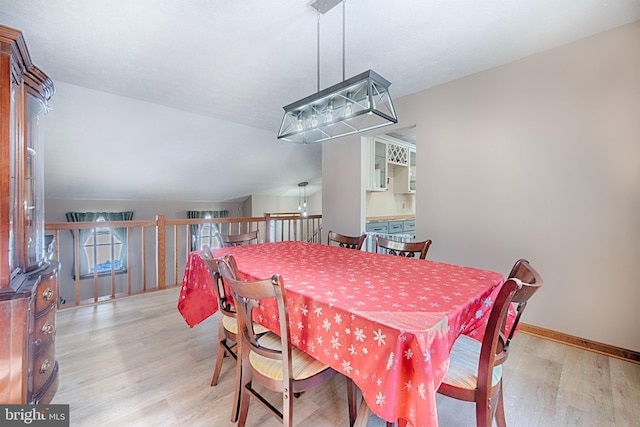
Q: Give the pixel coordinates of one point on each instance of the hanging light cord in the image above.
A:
(318, 59)
(344, 43)
(344, 25)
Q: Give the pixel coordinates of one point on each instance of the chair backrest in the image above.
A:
(351, 242)
(224, 298)
(406, 249)
(239, 239)
(523, 271)
(247, 296)
(495, 347)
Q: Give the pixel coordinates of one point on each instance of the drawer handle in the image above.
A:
(45, 366)
(48, 328)
(47, 294)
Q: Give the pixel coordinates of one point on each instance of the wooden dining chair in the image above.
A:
(271, 360)
(239, 239)
(227, 324)
(475, 369)
(406, 249)
(351, 242)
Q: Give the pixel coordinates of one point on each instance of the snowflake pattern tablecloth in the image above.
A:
(387, 322)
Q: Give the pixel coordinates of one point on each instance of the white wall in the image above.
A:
(342, 183)
(540, 159)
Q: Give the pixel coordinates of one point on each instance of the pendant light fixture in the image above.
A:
(302, 198)
(354, 105)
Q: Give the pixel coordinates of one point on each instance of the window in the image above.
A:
(209, 235)
(206, 233)
(102, 249)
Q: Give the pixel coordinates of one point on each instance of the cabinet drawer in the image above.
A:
(48, 390)
(396, 227)
(46, 294)
(44, 365)
(44, 331)
(378, 227)
(409, 226)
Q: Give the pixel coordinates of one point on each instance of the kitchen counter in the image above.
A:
(390, 218)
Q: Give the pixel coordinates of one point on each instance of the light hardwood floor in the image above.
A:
(135, 362)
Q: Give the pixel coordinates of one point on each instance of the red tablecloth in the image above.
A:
(386, 322)
(197, 299)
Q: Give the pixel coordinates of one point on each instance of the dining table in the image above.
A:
(387, 322)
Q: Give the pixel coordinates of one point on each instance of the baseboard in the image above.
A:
(585, 344)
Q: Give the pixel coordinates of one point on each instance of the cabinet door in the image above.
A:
(14, 202)
(379, 165)
(412, 171)
(34, 182)
(405, 180)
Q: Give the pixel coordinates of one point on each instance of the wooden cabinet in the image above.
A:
(28, 281)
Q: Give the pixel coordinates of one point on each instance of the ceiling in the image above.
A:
(241, 61)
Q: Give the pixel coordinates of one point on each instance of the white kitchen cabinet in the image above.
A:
(385, 156)
(378, 166)
(405, 178)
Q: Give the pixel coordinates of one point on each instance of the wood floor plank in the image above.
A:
(625, 380)
(585, 388)
(135, 362)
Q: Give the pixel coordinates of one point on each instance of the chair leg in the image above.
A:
(351, 397)
(219, 357)
(221, 352)
(245, 396)
(501, 421)
(287, 407)
(483, 411)
(238, 385)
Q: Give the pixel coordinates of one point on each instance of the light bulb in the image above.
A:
(329, 116)
(300, 124)
(314, 121)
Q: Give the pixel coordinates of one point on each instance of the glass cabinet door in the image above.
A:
(34, 182)
(14, 205)
(379, 165)
(412, 170)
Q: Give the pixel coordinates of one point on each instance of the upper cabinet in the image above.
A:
(405, 178)
(386, 156)
(378, 165)
(24, 92)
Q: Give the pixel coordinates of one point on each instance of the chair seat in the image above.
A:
(231, 325)
(463, 367)
(303, 365)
